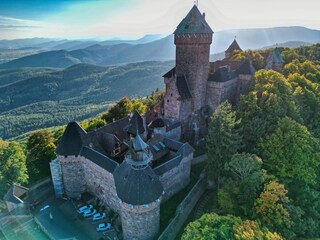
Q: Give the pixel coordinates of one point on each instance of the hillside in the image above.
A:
(125, 51)
(53, 97)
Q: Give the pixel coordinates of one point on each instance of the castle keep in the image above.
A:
(133, 164)
(195, 86)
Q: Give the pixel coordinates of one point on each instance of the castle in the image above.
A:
(135, 163)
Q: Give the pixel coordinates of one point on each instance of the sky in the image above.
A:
(103, 19)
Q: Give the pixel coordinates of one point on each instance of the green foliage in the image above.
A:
(223, 140)
(214, 227)
(255, 56)
(307, 97)
(291, 152)
(251, 230)
(307, 68)
(93, 124)
(238, 195)
(270, 100)
(270, 207)
(41, 150)
(12, 166)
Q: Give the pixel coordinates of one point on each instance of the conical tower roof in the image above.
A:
(276, 56)
(135, 125)
(193, 23)
(72, 140)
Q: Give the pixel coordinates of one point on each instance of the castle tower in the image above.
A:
(139, 191)
(68, 151)
(192, 38)
(233, 47)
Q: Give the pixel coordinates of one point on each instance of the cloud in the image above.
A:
(9, 23)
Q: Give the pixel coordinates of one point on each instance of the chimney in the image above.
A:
(204, 15)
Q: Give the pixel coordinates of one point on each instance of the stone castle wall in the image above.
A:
(100, 183)
(140, 222)
(243, 85)
(218, 92)
(72, 175)
(177, 178)
(171, 102)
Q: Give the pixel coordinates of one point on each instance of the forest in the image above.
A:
(263, 153)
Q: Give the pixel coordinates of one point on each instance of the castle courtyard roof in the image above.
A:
(193, 23)
(135, 125)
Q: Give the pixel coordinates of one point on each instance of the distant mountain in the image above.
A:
(38, 98)
(291, 44)
(162, 49)
(121, 51)
(259, 38)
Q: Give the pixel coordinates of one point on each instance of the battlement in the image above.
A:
(193, 38)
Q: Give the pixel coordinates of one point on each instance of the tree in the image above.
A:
(214, 227)
(12, 166)
(270, 207)
(41, 150)
(256, 58)
(223, 140)
(307, 97)
(270, 100)
(93, 124)
(119, 110)
(251, 230)
(291, 153)
(239, 194)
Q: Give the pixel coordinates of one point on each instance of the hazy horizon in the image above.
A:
(83, 19)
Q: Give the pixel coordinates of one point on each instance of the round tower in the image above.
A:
(193, 38)
(139, 191)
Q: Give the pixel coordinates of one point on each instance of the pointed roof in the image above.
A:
(193, 23)
(246, 68)
(139, 144)
(233, 46)
(72, 140)
(137, 186)
(135, 125)
(276, 56)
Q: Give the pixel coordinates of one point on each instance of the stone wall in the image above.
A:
(218, 92)
(177, 178)
(171, 102)
(100, 183)
(184, 209)
(243, 86)
(192, 61)
(140, 222)
(73, 175)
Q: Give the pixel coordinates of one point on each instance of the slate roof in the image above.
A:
(135, 125)
(222, 75)
(137, 186)
(193, 23)
(171, 73)
(183, 88)
(99, 159)
(246, 68)
(233, 46)
(139, 144)
(172, 163)
(72, 140)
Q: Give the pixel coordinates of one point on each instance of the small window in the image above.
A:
(162, 144)
(171, 94)
(168, 100)
(155, 148)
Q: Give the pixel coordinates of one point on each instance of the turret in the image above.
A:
(139, 191)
